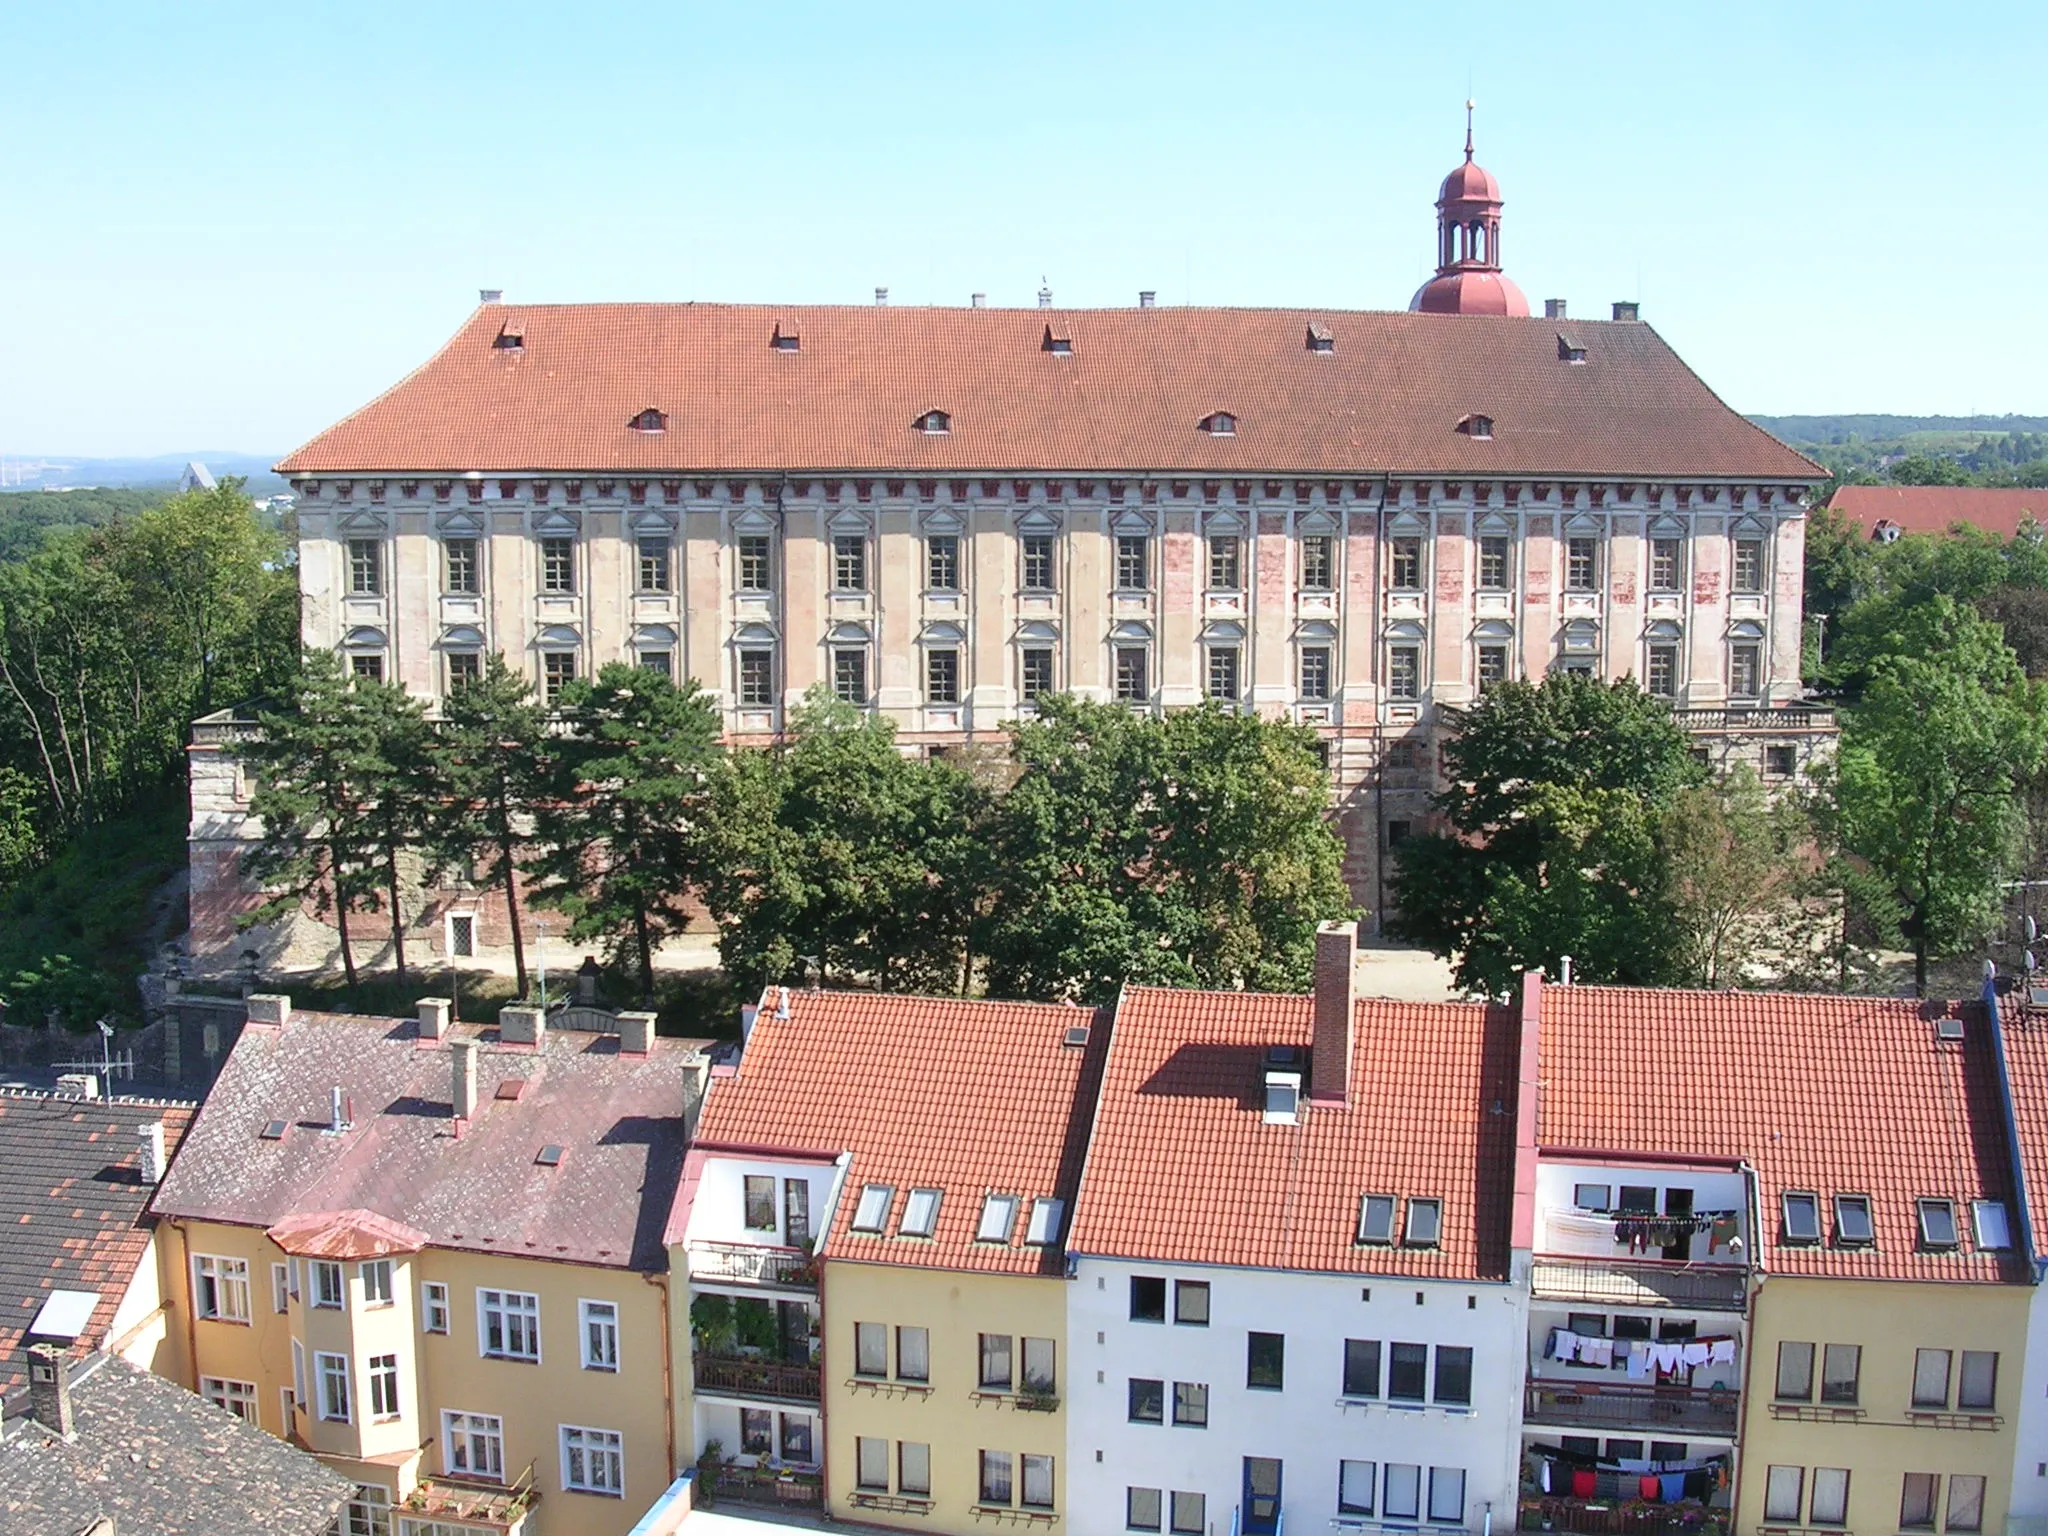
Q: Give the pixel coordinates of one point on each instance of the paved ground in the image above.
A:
(732, 1520)
(1409, 975)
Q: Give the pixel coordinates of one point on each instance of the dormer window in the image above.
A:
(1057, 342)
(650, 420)
(1321, 338)
(1479, 428)
(1283, 1097)
(934, 423)
(1219, 424)
(1569, 350)
(1938, 1224)
(511, 337)
(786, 338)
(872, 1213)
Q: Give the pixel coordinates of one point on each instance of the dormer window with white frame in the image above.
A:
(871, 1214)
(1478, 428)
(650, 420)
(998, 1216)
(1321, 339)
(920, 1213)
(1058, 342)
(1043, 1230)
(1283, 1098)
(934, 423)
(1219, 424)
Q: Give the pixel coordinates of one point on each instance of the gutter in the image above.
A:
(2022, 1216)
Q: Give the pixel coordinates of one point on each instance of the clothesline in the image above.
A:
(1666, 1356)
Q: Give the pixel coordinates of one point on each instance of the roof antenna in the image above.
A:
(1469, 104)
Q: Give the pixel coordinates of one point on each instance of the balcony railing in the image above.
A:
(1603, 1405)
(1580, 1517)
(1785, 717)
(789, 1269)
(756, 1378)
(1648, 1284)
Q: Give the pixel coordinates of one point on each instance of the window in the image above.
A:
(1361, 1367)
(1315, 673)
(280, 1287)
(1191, 1303)
(1965, 1504)
(557, 671)
(383, 1386)
(1142, 1509)
(1357, 1483)
(1993, 1230)
(870, 1349)
(593, 1461)
(1404, 564)
(434, 1307)
(1408, 1373)
(1493, 562)
(1191, 1404)
(300, 1396)
(1425, 1223)
(871, 1214)
(654, 565)
(1404, 672)
(1034, 673)
(508, 1325)
(754, 563)
(757, 678)
(1148, 1299)
(913, 1354)
(795, 1437)
(757, 1432)
(1748, 574)
(1453, 1374)
(238, 1397)
(1802, 1217)
(1188, 1514)
(1917, 1498)
(1795, 1372)
(599, 1323)
(920, 1213)
(1222, 680)
(376, 1278)
(1977, 1385)
(1402, 1493)
(366, 668)
(995, 1362)
(1493, 666)
(935, 423)
(1376, 1219)
(1841, 1365)
(1265, 1361)
(850, 562)
(942, 563)
(1131, 685)
(850, 674)
(1581, 565)
(220, 1288)
(460, 568)
(1146, 1400)
(996, 1468)
(1938, 1224)
(1220, 424)
(1852, 1220)
(1037, 1490)
(1132, 573)
(1784, 1494)
(1661, 676)
(1036, 554)
(1447, 1495)
(663, 662)
(998, 1216)
(1592, 1197)
(365, 568)
(1830, 1498)
(368, 1511)
(871, 1463)
(1665, 565)
(1318, 563)
(913, 1468)
(558, 565)
(1745, 669)
(1040, 1365)
(942, 676)
(760, 1202)
(1780, 762)
(1226, 563)
(330, 1384)
(464, 668)
(1043, 1229)
(1930, 1378)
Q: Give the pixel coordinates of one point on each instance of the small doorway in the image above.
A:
(796, 1212)
(1261, 1495)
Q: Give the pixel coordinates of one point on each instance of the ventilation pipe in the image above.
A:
(151, 1146)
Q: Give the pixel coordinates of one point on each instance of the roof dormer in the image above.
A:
(650, 420)
(1219, 424)
(1058, 341)
(934, 423)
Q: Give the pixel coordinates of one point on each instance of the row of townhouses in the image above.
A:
(1595, 1260)
(1357, 521)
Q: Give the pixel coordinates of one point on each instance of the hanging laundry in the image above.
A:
(1584, 1482)
(1722, 1351)
(1674, 1486)
(1639, 1360)
(1598, 1352)
(1696, 1354)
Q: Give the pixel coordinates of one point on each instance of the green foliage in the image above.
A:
(1559, 791)
(1189, 851)
(28, 518)
(1736, 872)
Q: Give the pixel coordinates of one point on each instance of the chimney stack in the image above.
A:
(151, 1138)
(636, 1034)
(1146, 297)
(1627, 309)
(1336, 994)
(522, 1026)
(49, 1388)
(463, 1097)
(977, 301)
(881, 297)
(269, 1010)
(1044, 295)
(1553, 309)
(490, 295)
(435, 1014)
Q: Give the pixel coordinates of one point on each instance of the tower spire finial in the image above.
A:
(1469, 104)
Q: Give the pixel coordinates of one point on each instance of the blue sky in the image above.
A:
(227, 225)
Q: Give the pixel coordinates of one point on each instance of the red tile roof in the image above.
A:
(970, 1097)
(345, 1235)
(1182, 1167)
(620, 1120)
(1387, 399)
(73, 1207)
(1938, 508)
(1848, 1095)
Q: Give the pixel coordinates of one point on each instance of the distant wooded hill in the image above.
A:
(1843, 429)
(29, 517)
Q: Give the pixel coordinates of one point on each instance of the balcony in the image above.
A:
(1583, 1517)
(1603, 1405)
(787, 1269)
(766, 1380)
(496, 1507)
(1616, 1283)
(1757, 717)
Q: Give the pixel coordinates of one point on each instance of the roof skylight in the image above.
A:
(1853, 1226)
(1938, 1224)
(872, 1213)
(998, 1216)
(920, 1213)
(1044, 1226)
(1802, 1216)
(1425, 1223)
(1994, 1230)
(1376, 1219)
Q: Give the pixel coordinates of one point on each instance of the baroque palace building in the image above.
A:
(1355, 520)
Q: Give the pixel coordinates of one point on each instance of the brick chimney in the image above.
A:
(1627, 309)
(434, 1014)
(1336, 994)
(49, 1388)
(150, 1138)
(1553, 309)
(522, 1026)
(463, 1096)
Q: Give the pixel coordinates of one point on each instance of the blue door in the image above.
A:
(1261, 1495)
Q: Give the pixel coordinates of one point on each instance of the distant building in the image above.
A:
(197, 477)
(1884, 512)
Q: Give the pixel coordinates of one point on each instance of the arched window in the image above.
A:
(650, 420)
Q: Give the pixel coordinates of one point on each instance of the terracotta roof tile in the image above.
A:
(970, 1097)
(1387, 399)
(1183, 1168)
(1938, 508)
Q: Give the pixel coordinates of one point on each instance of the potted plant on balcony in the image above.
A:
(709, 1463)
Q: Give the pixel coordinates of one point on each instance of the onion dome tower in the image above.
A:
(1468, 278)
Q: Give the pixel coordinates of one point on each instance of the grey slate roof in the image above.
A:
(157, 1461)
